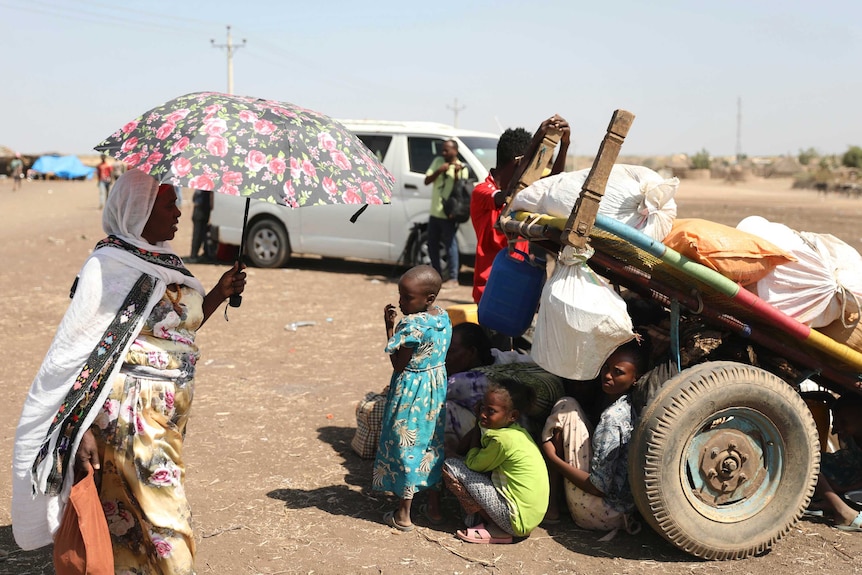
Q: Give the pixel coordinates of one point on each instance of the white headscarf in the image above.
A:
(127, 210)
(128, 207)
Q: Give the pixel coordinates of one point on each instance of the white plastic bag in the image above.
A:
(824, 283)
(581, 319)
(635, 195)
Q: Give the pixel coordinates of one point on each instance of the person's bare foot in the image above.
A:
(450, 284)
(552, 516)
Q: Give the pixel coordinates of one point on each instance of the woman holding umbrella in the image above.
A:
(114, 391)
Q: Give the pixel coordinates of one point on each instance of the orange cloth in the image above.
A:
(82, 545)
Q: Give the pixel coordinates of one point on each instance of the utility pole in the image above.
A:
(738, 128)
(455, 109)
(230, 46)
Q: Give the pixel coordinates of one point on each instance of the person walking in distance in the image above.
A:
(16, 171)
(105, 174)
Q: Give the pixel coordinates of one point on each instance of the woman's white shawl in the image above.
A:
(104, 283)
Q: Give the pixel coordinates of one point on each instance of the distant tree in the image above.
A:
(805, 156)
(852, 158)
(701, 160)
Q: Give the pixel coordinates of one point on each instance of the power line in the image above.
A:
(230, 46)
(101, 17)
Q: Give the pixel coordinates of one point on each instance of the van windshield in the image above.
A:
(485, 149)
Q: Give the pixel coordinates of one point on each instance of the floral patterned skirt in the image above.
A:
(140, 434)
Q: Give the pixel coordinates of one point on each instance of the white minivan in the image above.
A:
(389, 233)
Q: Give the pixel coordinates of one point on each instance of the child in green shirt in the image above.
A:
(503, 477)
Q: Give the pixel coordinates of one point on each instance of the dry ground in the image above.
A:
(273, 483)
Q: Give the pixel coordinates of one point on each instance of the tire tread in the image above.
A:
(655, 431)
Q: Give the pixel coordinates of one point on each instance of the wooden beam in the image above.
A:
(583, 216)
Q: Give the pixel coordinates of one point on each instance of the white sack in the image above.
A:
(825, 281)
(635, 196)
(581, 320)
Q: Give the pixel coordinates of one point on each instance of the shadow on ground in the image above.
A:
(19, 562)
(355, 498)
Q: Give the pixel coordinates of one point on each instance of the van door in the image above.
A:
(327, 230)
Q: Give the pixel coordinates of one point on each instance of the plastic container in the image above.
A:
(463, 313)
(512, 293)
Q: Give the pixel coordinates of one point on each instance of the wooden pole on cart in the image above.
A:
(583, 216)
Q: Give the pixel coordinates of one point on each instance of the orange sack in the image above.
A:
(738, 255)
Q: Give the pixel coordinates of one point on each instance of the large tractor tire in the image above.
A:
(724, 460)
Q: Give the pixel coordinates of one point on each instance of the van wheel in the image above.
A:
(724, 460)
(419, 253)
(267, 244)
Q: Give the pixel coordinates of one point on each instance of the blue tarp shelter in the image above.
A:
(66, 167)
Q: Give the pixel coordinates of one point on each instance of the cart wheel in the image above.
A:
(724, 460)
(267, 244)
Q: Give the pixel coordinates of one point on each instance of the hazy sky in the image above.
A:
(75, 70)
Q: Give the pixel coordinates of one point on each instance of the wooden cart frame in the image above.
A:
(725, 458)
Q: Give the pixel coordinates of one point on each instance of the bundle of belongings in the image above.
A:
(581, 319)
(369, 420)
(635, 196)
(822, 285)
(814, 278)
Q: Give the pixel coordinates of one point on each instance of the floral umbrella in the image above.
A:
(259, 149)
(254, 148)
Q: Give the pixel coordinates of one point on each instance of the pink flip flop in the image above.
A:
(479, 534)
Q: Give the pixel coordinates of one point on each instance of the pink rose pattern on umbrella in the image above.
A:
(263, 149)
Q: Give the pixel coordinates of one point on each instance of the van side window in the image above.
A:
(422, 152)
(376, 143)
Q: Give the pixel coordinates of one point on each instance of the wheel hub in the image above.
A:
(266, 244)
(730, 467)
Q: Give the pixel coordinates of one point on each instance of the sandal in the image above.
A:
(481, 535)
(389, 519)
(855, 526)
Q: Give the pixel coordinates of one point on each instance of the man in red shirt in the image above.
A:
(488, 197)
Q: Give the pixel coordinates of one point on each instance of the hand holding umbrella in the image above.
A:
(230, 285)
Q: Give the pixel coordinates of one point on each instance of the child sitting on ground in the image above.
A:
(410, 452)
(841, 471)
(503, 477)
(594, 464)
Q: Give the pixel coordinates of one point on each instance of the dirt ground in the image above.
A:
(274, 485)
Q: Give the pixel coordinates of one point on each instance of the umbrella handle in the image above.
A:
(236, 299)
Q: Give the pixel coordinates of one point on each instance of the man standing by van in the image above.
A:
(444, 170)
(488, 197)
